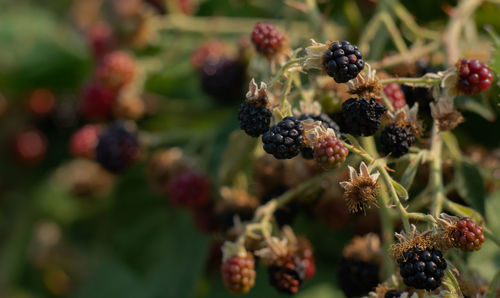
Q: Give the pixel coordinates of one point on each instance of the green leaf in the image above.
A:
(464, 211)
(473, 105)
(492, 208)
(470, 184)
(400, 190)
(495, 65)
(411, 170)
(451, 284)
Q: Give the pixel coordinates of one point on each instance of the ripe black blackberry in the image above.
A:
(287, 274)
(422, 269)
(285, 139)
(117, 148)
(327, 122)
(397, 140)
(254, 120)
(362, 116)
(343, 61)
(223, 79)
(357, 277)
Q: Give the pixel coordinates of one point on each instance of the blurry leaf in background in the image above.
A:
(470, 184)
(38, 51)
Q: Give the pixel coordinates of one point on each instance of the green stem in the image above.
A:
(436, 175)
(425, 80)
(394, 32)
(284, 68)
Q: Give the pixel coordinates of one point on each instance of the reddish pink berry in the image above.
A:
(116, 70)
(238, 274)
(267, 39)
(468, 234)
(474, 76)
(41, 102)
(211, 50)
(305, 253)
(330, 152)
(84, 141)
(29, 147)
(395, 94)
(97, 102)
(101, 39)
(189, 190)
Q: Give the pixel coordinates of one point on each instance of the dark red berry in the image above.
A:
(84, 141)
(474, 76)
(29, 147)
(97, 102)
(468, 235)
(190, 190)
(267, 39)
(211, 50)
(287, 274)
(238, 274)
(395, 95)
(330, 152)
(41, 102)
(116, 69)
(101, 39)
(343, 61)
(305, 253)
(118, 148)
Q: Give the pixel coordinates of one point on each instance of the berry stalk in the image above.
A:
(436, 175)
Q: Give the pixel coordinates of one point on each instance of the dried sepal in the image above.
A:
(313, 107)
(237, 197)
(447, 225)
(366, 84)
(445, 113)
(365, 248)
(276, 248)
(360, 191)
(449, 82)
(231, 249)
(315, 55)
(257, 96)
(413, 239)
(407, 116)
(312, 131)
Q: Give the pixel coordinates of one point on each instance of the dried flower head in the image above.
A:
(408, 117)
(366, 84)
(277, 248)
(360, 191)
(315, 55)
(365, 248)
(444, 112)
(413, 239)
(257, 96)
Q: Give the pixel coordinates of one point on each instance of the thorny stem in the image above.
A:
(425, 80)
(284, 68)
(436, 175)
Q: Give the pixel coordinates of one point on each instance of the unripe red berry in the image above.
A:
(330, 152)
(41, 102)
(100, 38)
(468, 235)
(238, 274)
(474, 76)
(190, 190)
(267, 39)
(116, 69)
(84, 141)
(29, 147)
(395, 95)
(97, 102)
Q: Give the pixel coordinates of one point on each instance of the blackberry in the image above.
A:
(343, 61)
(267, 39)
(190, 190)
(287, 274)
(396, 140)
(422, 269)
(395, 95)
(330, 152)
(285, 139)
(305, 253)
(474, 76)
(238, 274)
(357, 277)
(223, 79)
(254, 120)
(392, 294)
(362, 116)
(468, 235)
(117, 148)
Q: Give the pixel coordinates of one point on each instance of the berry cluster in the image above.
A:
(474, 76)
(422, 268)
(238, 274)
(468, 234)
(343, 61)
(267, 39)
(285, 139)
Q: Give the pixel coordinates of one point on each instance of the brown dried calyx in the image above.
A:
(277, 249)
(366, 84)
(237, 198)
(257, 96)
(364, 248)
(446, 115)
(414, 239)
(360, 191)
(408, 117)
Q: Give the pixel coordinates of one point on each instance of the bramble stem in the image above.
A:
(425, 80)
(436, 174)
(284, 68)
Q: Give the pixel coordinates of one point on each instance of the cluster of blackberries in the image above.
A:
(343, 61)
(287, 274)
(422, 268)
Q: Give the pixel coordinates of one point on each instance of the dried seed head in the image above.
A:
(364, 248)
(413, 239)
(257, 96)
(447, 116)
(366, 84)
(315, 55)
(360, 191)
